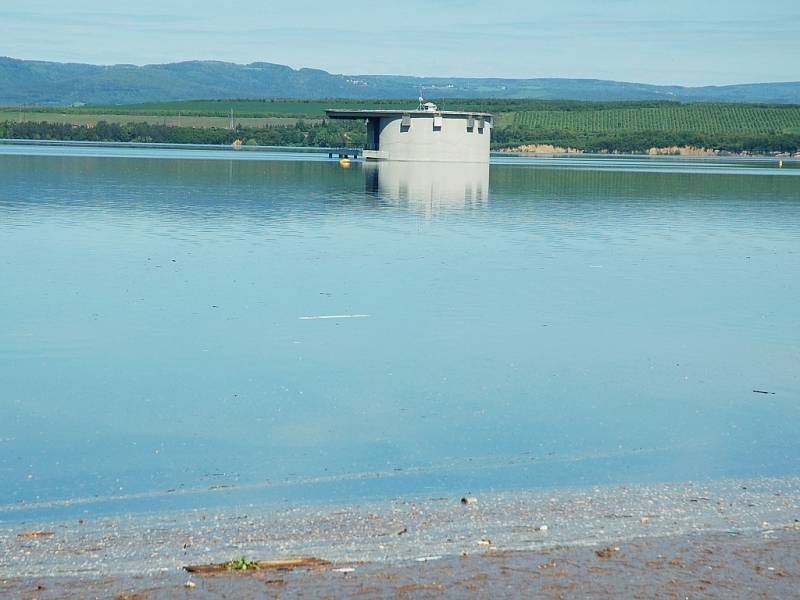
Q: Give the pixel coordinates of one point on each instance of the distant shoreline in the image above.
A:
(243, 151)
(674, 151)
(554, 126)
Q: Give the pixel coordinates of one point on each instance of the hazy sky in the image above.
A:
(686, 42)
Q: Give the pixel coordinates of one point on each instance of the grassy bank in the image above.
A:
(582, 126)
(177, 120)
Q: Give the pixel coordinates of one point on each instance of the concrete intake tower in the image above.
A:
(425, 134)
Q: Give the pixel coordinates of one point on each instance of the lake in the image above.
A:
(199, 328)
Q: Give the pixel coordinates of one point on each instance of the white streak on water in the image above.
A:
(318, 317)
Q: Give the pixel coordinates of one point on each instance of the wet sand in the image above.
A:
(724, 539)
(693, 566)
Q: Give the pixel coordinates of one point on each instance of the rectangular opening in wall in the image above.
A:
(470, 122)
(373, 134)
(405, 124)
(438, 121)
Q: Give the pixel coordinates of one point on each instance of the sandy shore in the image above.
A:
(720, 539)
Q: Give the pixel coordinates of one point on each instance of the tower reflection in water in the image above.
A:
(429, 186)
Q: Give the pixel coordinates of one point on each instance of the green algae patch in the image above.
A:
(244, 564)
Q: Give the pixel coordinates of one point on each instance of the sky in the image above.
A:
(683, 42)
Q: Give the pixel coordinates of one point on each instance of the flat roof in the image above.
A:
(335, 113)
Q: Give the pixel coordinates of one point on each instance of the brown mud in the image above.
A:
(716, 565)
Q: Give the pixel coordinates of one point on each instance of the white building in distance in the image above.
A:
(425, 134)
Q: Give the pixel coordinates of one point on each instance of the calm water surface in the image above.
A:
(544, 324)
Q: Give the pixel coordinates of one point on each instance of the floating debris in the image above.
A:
(644, 520)
(541, 528)
(319, 317)
(607, 552)
(427, 558)
(485, 542)
(763, 392)
(344, 570)
(189, 584)
(243, 565)
(469, 500)
(35, 534)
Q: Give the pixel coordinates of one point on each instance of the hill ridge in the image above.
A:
(53, 83)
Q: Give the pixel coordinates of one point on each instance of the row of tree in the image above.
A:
(325, 134)
(353, 134)
(641, 141)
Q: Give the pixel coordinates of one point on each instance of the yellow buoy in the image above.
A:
(780, 164)
(344, 162)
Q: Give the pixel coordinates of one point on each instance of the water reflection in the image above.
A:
(429, 187)
(582, 327)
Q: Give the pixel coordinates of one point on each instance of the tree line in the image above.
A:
(324, 134)
(641, 141)
(352, 134)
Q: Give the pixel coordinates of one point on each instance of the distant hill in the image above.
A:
(50, 83)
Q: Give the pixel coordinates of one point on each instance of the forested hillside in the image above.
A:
(49, 83)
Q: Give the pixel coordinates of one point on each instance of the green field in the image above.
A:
(92, 117)
(588, 117)
(587, 126)
(707, 118)
(298, 109)
(222, 108)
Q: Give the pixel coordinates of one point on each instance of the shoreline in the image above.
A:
(668, 151)
(402, 529)
(707, 539)
(19, 146)
(530, 150)
(707, 565)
